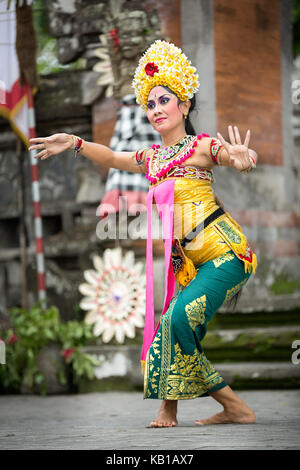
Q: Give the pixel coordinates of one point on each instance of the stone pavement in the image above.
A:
(119, 420)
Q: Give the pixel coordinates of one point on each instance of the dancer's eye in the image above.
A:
(164, 100)
(150, 104)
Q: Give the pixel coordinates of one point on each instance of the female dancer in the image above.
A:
(205, 249)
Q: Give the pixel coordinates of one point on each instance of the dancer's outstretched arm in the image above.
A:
(236, 154)
(101, 154)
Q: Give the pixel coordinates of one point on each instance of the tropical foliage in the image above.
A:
(33, 330)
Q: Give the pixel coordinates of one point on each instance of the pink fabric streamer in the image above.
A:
(164, 198)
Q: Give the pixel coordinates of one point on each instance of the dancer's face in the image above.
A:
(163, 111)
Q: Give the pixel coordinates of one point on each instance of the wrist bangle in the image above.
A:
(215, 149)
(78, 144)
(251, 166)
(253, 162)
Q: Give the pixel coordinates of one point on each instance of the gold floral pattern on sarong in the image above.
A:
(222, 259)
(176, 372)
(153, 381)
(191, 375)
(231, 292)
(159, 357)
(185, 364)
(195, 311)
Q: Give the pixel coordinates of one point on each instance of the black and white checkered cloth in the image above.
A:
(132, 132)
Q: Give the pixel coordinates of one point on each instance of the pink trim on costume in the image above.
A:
(164, 197)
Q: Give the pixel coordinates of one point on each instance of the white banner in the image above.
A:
(15, 100)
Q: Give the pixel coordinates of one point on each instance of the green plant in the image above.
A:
(74, 334)
(284, 285)
(31, 331)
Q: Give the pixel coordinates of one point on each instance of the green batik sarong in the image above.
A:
(176, 367)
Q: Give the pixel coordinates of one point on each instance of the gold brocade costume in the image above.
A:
(194, 201)
(194, 204)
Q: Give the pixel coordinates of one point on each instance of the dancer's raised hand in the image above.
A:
(238, 152)
(51, 145)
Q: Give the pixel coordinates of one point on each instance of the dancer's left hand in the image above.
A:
(237, 152)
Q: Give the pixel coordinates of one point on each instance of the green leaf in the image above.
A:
(39, 378)
(32, 330)
(61, 377)
(30, 354)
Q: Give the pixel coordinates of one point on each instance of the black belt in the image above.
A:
(202, 226)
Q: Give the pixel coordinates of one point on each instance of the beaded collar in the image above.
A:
(164, 159)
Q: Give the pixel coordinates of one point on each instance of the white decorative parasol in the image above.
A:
(114, 295)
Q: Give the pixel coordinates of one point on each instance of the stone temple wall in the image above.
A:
(244, 57)
(71, 189)
(265, 203)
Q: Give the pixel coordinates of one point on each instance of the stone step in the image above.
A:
(255, 370)
(119, 369)
(255, 319)
(231, 333)
(260, 374)
(266, 303)
(259, 343)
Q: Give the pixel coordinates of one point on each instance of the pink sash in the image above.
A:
(164, 197)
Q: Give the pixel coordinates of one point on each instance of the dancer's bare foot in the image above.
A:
(242, 415)
(235, 409)
(166, 415)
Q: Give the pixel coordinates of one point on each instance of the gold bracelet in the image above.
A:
(219, 160)
(250, 167)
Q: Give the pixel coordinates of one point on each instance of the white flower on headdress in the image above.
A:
(115, 295)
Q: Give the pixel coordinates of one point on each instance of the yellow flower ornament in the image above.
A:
(164, 64)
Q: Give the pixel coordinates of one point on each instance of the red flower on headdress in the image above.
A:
(151, 68)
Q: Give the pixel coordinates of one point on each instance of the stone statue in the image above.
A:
(129, 31)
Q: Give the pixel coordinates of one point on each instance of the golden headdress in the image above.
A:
(164, 64)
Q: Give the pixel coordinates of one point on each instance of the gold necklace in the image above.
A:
(177, 142)
(168, 153)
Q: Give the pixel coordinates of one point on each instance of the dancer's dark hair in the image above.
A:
(189, 128)
(234, 300)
